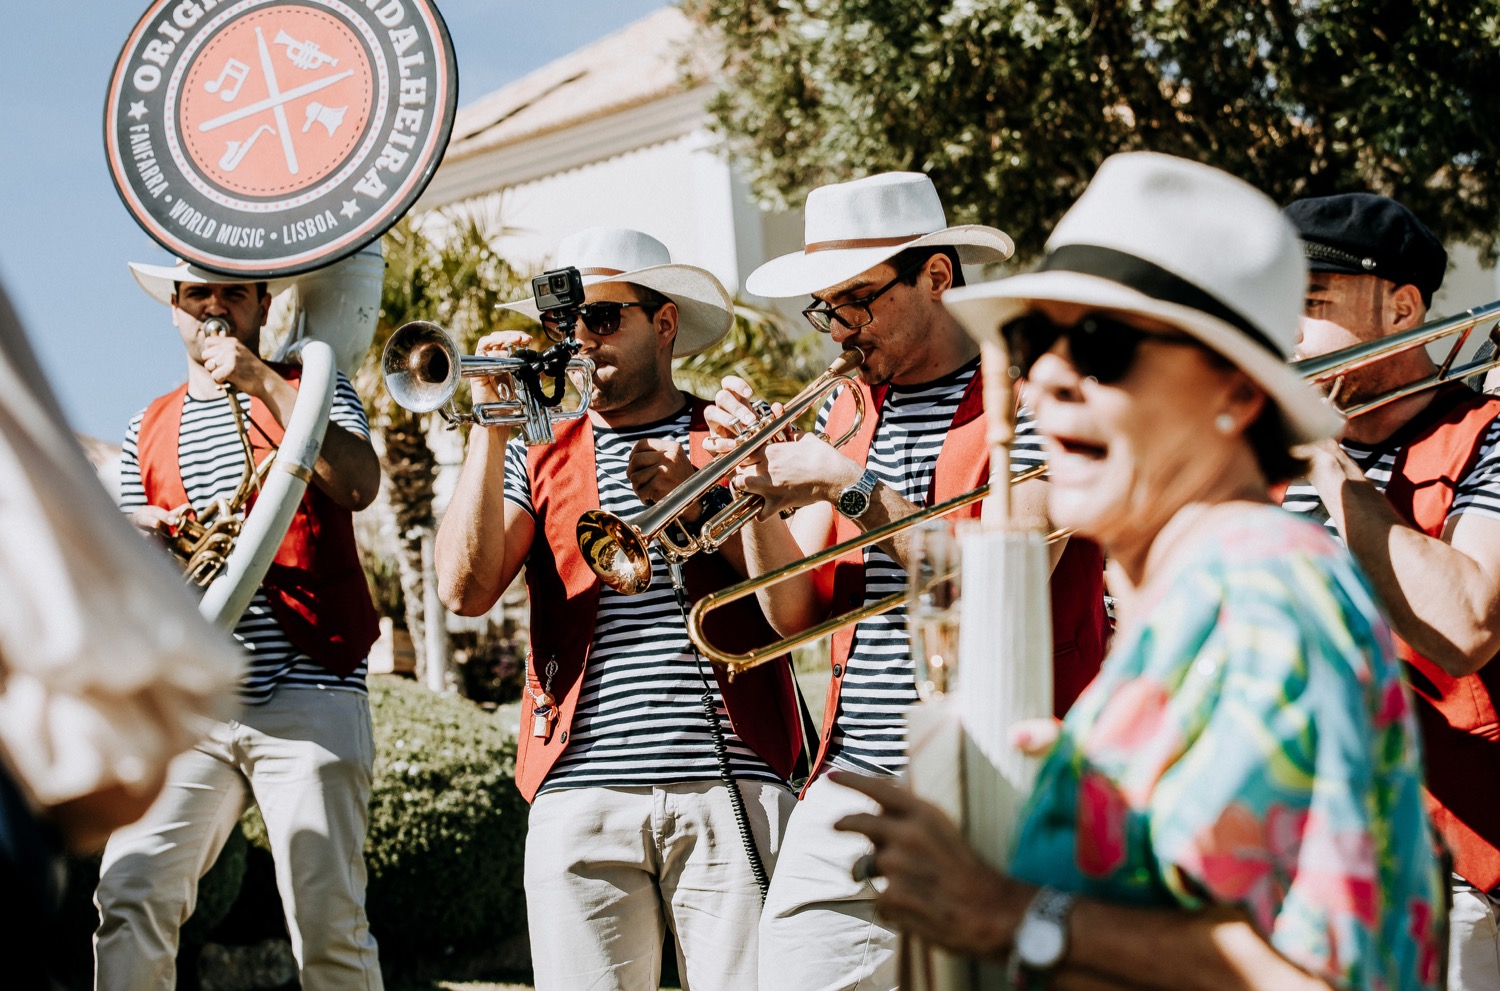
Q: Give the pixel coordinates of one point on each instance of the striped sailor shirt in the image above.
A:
(211, 460)
(640, 719)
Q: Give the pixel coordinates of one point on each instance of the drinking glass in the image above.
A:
(932, 607)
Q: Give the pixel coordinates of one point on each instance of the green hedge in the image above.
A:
(445, 846)
(447, 826)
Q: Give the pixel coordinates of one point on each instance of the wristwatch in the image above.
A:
(854, 500)
(1041, 939)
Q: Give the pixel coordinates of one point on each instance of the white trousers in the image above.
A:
(818, 931)
(607, 868)
(305, 757)
(1473, 939)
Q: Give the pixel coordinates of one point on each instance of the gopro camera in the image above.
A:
(559, 289)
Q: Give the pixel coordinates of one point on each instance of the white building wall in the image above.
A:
(677, 191)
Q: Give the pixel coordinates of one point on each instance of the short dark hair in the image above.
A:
(1268, 435)
(912, 260)
(654, 300)
(1268, 438)
(260, 287)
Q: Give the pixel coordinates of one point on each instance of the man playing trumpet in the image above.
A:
(634, 820)
(1413, 489)
(878, 257)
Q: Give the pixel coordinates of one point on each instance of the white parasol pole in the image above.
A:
(960, 754)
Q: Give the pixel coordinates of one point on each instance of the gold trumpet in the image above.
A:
(619, 550)
(202, 541)
(736, 663)
(1335, 364)
(422, 367)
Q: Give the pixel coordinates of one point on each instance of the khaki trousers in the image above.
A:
(608, 868)
(305, 756)
(1473, 939)
(818, 931)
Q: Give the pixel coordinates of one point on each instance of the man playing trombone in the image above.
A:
(652, 782)
(878, 257)
(301, 746)
(1413, 489)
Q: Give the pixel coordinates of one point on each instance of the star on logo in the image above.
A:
(350, 209)
(137, 110)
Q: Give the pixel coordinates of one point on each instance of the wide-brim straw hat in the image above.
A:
(161, 280)
(851, 227)
(616, 254)
(1186, 244)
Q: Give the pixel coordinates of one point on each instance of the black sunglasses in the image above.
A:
(822, 316)
(601, 318)
(1100, 347)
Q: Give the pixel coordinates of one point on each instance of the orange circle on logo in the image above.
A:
(276, 101)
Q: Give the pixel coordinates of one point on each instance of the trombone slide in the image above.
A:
(735, 663)
(1335, 364)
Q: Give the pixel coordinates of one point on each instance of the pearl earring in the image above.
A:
(1224, 423)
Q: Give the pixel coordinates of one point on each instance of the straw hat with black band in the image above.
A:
(1186, 244)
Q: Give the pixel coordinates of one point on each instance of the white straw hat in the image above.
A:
(1186, 244)
(161, 280)
(616, 254)
(853, 226)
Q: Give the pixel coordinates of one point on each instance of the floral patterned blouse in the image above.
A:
(1250, 742)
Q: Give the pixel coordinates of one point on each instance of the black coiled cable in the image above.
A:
(721, 753)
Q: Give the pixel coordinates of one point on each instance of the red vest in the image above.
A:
(564, 594)
(1460, 728)
(316, 585)
(1080, 626)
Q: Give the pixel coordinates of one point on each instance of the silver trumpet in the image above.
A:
(422, 367)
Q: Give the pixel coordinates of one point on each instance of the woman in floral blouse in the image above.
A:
(1236, 800)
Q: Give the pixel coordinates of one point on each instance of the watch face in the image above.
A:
(853, 502)
(1040, 943)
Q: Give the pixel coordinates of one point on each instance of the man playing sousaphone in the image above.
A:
(301, 745)
(879, 255)
(1413, 489)
(652, 782)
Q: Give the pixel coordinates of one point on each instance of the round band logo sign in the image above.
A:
(266, 138)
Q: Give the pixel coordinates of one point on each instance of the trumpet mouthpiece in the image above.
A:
(847, 362)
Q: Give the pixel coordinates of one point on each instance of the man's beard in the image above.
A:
(1359, 386)
(622, 389)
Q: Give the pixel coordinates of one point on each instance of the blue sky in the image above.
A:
(65, 238)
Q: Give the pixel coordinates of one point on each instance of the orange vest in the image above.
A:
(1460, 729)
(1080, 625)
(316, 584)
(564, 594)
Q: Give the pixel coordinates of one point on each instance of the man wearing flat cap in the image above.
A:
(300, 744)
(1414, 491)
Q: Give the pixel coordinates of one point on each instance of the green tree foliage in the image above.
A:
(1010, 105)
(444, 271)
(760, 349)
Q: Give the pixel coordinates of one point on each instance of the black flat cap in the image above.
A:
(1365, 234)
